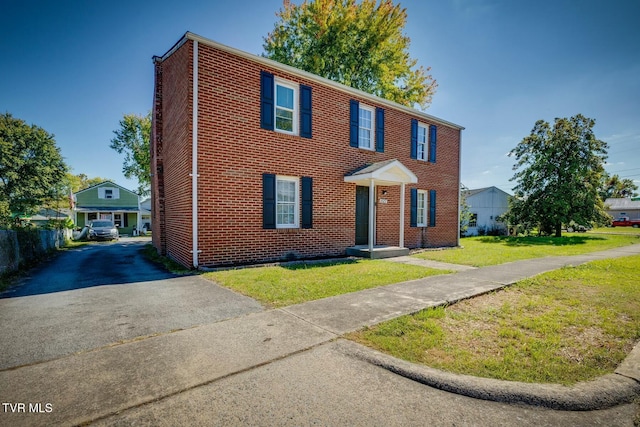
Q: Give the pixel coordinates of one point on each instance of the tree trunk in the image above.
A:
(559, 230)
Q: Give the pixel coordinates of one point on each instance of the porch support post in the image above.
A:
(372, 201)
(401, 243)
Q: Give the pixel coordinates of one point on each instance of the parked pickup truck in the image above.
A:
(624, 221)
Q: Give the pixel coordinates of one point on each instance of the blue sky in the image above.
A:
(76, 67)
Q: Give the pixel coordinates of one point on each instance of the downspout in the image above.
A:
(194, 158)
(372, 213)
(459, 186)
(401, 239)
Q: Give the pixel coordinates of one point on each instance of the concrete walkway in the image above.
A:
(133, 377)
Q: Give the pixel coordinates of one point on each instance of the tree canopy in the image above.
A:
(31, 166)
(558, 175)
(132, 139)
(614, 186)
(357, 43)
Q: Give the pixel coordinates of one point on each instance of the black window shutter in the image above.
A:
(354, 117)
(307, 202)
(433, 133)
(267, 100)
(125, 219)
(432, 208)
(305, 111)
(414, 207)
(380, 130)
(268, 200)
(414, 139)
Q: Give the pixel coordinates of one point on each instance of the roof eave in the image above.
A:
(306, 75)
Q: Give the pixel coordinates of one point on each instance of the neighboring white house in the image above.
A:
(617, 207)
(485, 205)
(145, 215)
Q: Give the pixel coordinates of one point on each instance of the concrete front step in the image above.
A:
(378, 251)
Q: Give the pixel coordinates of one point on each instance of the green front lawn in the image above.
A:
(617, 230)
(286, 285)
(566, 326)
(490, 250)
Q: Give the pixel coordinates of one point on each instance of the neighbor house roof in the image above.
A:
(47, 214)
(468, 193)
(106, 209)
(103, 183)
(621, 204)
(306, 75)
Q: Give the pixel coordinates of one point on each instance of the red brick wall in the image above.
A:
(177, 72)
(158, 237)
(234, 152)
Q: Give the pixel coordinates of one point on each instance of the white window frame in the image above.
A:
(423, 145)
(102, 193)
(372, 136)
(294, 110)
(473, 220)
(295, 203)
(421, 219)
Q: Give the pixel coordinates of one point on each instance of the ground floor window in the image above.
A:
(421, 217)
(286, 202)
(473, 221)
(117, 219)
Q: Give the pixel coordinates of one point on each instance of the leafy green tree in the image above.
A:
(132, 139)
(82, 181)
(31, 166)
(465, 210)
(357, 43)
(558, 174)
(614, 186)
(67, 186)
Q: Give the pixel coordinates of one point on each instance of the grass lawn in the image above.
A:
(566, 326)
(490, 250)
(617, 230)
(286, 285)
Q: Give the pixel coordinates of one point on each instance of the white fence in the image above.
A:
(22, 247)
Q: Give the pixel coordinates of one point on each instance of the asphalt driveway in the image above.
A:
(101, 294)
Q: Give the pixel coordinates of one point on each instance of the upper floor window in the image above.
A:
(286, 111)
(108, 193)
(366, 122)
(422, 142)
(366, 126)
(285, 106)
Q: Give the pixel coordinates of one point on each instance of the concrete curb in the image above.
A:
(604, 392)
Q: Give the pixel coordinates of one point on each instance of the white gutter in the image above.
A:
(194, 158)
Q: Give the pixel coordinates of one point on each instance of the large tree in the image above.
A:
(31, 166)
(614, 186)
(558, 174)
(132, 139)
(357, 43)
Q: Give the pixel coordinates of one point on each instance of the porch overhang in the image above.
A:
(386, 173)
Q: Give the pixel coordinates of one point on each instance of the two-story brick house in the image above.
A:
(256, 161)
